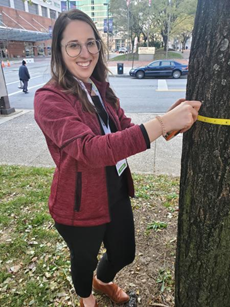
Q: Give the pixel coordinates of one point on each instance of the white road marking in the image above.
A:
(29, 88)
(18, 80)
(162, 85)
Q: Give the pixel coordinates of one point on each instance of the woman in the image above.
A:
(89, 138)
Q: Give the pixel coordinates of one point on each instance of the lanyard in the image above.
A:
(121, 165)
(105, 127)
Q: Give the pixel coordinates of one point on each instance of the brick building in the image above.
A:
(25, 29)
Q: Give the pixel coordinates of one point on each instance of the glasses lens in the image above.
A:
(93, 46)
(73, 49)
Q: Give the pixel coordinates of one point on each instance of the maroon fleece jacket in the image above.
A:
(79, 195)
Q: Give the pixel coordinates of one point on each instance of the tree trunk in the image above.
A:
(203, 247)
(165, 40)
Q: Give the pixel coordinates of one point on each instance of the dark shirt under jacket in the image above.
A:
(117, 185)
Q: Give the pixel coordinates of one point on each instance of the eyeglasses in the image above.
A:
(73, 49)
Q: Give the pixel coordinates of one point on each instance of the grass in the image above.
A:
(159, 55)
(34, 259)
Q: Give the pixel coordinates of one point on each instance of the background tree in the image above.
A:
(152, 22)
(182, 28)
(203, 248)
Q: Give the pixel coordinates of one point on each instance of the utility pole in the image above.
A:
(169, 21)
(128, 49)
(67, 5)
(107, 4)
(148, 24)
(5, 108)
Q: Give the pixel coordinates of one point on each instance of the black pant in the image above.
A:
(25, 86)
(84, 244)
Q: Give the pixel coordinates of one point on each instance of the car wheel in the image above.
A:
(176, 74)
(140, 74)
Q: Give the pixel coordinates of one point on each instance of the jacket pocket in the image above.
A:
(78, 192)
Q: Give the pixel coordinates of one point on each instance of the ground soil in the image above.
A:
(150, 278)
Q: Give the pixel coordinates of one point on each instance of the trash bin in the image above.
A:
(120, 68)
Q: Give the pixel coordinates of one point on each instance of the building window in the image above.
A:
(33, 8)
(5, 3)
(52, 14)
(19, 5)
(44, 11)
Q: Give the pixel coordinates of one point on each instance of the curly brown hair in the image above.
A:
(62, 76)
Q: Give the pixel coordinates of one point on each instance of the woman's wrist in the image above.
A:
(163, 129)
(153, 129)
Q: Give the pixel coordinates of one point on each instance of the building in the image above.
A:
(96, 9)
(26, 28)
(99, 12)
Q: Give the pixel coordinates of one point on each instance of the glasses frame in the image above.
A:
(85, 44)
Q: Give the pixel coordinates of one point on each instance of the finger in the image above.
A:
(194, 114)
(194, 103)
(184, 130)
(177, 103)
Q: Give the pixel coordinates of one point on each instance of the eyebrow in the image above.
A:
(76, 40)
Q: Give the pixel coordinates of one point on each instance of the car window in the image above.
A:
(166, 63)
(154, 64)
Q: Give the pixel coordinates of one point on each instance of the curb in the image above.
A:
(119, 76)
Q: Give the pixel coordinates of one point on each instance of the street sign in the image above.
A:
(50, 31)
(110, 25)
(146, 50)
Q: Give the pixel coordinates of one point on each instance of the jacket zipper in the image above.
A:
(78, 192)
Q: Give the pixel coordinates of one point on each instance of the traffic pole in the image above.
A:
(5, 108)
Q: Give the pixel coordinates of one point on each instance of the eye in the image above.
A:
(74, 45)
(91, 43)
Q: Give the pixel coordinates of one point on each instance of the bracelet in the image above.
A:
(162, 125)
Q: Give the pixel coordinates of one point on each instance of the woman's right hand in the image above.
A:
(182, 116)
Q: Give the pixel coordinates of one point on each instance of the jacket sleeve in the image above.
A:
(60, 121)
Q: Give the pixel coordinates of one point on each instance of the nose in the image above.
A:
(84, 51)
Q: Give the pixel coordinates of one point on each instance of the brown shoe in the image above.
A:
(82, 304)
(116, 294)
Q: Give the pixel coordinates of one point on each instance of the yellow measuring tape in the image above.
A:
(215, 121)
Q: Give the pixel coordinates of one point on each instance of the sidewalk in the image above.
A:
(22, 143)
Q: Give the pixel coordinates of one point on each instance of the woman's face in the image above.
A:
(77, 36)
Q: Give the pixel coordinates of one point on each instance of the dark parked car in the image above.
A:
(164, 68)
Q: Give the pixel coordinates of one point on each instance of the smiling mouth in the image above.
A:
(84, 64)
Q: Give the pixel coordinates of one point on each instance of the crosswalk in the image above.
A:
(162, 86)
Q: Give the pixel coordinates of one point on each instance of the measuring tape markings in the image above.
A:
(215, 121)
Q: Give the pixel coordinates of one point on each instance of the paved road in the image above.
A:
(22, 142)
(136, 96)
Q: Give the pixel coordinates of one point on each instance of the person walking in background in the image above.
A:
(89, 138)
(24, 76)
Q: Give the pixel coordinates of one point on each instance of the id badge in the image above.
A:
(121, 166)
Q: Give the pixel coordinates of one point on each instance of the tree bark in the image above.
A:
(203, 247)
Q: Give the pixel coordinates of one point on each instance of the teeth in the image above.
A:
(83, 64)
